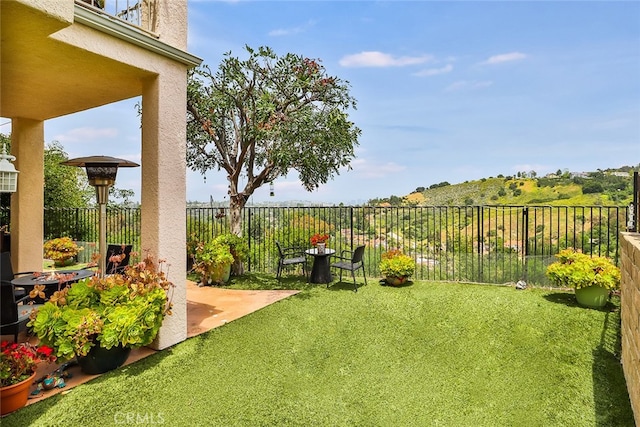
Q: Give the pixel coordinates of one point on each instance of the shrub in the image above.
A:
(577, 270)
(61, 249)
(394, 263)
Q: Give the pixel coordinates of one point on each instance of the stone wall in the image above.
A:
(630, 302)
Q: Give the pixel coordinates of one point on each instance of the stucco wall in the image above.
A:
(630, 302)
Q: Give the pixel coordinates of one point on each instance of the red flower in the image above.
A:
(319, 238)
(19, 361)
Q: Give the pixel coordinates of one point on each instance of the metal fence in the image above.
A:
(485, 244)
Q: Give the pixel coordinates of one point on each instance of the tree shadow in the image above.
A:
(611, 397)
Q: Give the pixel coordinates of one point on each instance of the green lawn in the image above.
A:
(428, 354)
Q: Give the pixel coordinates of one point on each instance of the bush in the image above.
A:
(577, 270)
(61, 249)
(394, 263)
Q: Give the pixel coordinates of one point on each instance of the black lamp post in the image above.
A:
(101, 172)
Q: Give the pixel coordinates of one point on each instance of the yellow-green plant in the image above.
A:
(395, 263)
(118, 310)
(61, 249)
(212, 260)
(577, 270)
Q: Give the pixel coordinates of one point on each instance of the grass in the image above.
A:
(421, 355)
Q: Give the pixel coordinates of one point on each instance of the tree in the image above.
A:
(64, 186)
(259, 118)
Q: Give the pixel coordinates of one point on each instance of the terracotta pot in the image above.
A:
(15, 396)
(395, 281)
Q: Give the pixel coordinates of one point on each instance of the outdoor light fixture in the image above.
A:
(8, 173)
(101, 172)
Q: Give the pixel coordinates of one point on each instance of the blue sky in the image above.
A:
(447, 91)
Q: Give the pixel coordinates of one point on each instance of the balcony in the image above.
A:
(140, 13)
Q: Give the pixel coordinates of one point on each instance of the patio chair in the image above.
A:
(116, 268)
(351, 263)
(290, 256)
(7, 274)
(14, 312)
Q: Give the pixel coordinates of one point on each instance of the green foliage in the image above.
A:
(61, 249)
(212, 259)
(263, 116)
(577, 270)
(394, 263)
(120, 309)
(64, 186)
(237, 246)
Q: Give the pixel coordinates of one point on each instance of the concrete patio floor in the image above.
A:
(207, 308)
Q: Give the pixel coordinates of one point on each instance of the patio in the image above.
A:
(207, 308)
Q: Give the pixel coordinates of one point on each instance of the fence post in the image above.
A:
(480, 241)
(351, 226)
(634, 210)
(525, 243)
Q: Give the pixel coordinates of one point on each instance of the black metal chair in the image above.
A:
(7, 274)
(291, 256)
(14, 313)
(117, 267)
(352, 264)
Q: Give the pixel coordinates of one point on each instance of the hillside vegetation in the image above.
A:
(601, 188)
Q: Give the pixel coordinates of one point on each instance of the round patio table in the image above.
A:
(52, 280)
(320, 272)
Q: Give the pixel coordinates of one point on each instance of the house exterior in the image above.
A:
(60, 57)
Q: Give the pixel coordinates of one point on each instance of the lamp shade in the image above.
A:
(101, 170)
(8, 173)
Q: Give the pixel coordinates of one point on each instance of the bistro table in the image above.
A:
(52, 280)
(320, 272)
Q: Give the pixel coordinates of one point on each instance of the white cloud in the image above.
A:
(290, 31)
(367, 169)
(466, 85)
(504, 57)
(86, 134)
(434, 71)
(380, 59)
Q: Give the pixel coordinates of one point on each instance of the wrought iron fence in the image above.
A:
(485, 244)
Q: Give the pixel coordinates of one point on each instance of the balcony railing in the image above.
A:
(140, 13)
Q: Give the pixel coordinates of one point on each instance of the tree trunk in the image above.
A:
(236, 204)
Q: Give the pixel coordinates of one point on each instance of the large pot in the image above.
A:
(395, 280)
(15, 396)
(592, 296)
(217, 275)
(100, 360)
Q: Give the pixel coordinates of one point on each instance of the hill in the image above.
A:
(601, 188)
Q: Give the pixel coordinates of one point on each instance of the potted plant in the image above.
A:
(593, 278)
(238, 248)
(319, 240)
(18, 363)
(213, 262)
(105, 316)
(61, 251)
(396, 267)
